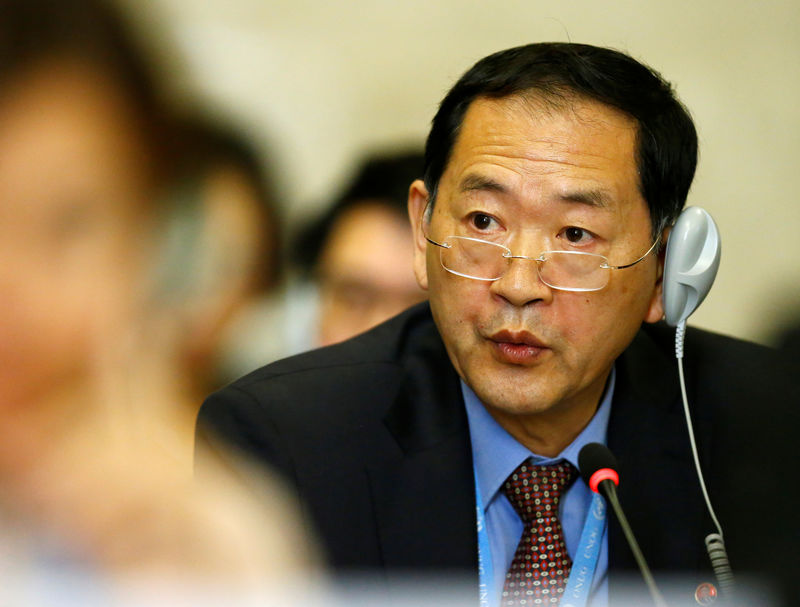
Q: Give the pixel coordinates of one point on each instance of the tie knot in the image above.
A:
(534, 491)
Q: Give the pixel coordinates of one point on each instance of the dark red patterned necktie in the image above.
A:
(541, 565)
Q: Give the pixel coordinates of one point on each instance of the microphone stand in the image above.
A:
(609, 490)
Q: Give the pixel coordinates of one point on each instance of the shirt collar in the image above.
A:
(496, 453)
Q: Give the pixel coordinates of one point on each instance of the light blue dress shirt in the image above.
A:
(496, 454)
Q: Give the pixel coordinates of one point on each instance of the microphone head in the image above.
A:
(597, 464)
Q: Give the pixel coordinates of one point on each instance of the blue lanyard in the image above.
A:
(584, 564)
(485, 569)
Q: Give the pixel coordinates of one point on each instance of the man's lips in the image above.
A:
(517, 347)
(517, 337)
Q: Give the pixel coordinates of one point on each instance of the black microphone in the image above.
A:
(599, 470)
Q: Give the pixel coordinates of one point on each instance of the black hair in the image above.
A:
(383, 178)
(666, 138)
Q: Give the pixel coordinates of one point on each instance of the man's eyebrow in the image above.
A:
(481, 183)
(593, 198)
(597, 198)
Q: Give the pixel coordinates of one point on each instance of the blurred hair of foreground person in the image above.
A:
(94, 458)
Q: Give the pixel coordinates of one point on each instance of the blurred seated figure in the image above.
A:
(360, 250)
(94, 450)
(355, 268)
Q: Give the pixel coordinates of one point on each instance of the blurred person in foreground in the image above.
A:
(445, 440)
(92, 455)
(353, 263)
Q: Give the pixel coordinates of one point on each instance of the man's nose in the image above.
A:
(521, 284)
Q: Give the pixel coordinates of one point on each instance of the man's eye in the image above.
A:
(482, 221)
(576, 235)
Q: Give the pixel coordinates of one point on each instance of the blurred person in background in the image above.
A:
(222, 245)
(355, 265)
(360, 252)
(95, 439)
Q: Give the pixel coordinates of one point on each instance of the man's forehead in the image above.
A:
(587, 149)
(495, 117)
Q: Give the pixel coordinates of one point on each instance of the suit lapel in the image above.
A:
(425, 500)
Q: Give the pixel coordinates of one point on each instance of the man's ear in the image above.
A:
(417, 204)
(656, 310)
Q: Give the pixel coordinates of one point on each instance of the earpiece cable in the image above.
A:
(714, 542)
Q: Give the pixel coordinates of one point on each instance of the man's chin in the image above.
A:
(514, 398)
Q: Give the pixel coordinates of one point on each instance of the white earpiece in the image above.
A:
(691, 264)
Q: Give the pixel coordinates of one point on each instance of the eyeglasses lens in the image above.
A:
(559, 269)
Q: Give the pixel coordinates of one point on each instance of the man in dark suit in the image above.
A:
(552, 171)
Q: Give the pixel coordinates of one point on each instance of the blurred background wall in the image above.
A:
(316, 83)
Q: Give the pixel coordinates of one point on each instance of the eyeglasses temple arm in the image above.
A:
(650, 250)
(438, 244)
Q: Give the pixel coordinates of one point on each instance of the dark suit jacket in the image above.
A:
(373, 435)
